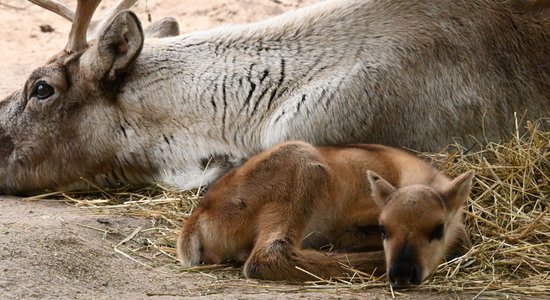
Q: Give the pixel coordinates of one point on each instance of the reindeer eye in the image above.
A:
(383, 232)
(437, 233)
(42, 90)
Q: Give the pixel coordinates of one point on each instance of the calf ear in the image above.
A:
(456, 193)
(380, 188)
(116, 48)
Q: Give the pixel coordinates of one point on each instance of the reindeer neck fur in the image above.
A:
(241, 89)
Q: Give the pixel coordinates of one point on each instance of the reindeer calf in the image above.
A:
(278, 209)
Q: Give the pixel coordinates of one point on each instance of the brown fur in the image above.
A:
(277, 210)
(532, 8)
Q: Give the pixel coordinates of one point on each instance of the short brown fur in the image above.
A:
(278, 209)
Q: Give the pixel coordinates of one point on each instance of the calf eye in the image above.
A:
(383, 232)
(437, 232)
(42, 90)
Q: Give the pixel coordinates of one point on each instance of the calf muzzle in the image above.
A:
(403, 274)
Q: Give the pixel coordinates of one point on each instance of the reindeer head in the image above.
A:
(419, 225)
(61, 125)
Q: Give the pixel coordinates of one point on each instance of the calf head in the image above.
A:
(62, 124)
(419, 224)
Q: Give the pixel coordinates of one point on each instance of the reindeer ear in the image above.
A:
(380, 188)
(164, 27)
(117, 47)
(456, 193)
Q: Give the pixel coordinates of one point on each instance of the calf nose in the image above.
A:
(403, 273)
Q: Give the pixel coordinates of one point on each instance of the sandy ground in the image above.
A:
(49, 249)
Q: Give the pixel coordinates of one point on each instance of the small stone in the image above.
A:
(46, 28)
(104, 220)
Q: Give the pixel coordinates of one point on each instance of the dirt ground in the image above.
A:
(49, 249)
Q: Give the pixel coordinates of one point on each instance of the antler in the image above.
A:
(56, 7)
(82, 25)
(77, 38)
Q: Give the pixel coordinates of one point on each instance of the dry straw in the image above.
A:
(508, 216)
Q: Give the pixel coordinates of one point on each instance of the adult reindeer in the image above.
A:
(398, 72)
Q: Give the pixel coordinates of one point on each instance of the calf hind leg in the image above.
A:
(277, 256)
(280, 226)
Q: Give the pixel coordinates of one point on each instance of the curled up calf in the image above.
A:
(377, 208)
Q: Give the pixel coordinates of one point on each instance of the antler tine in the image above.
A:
(84, 12)
(96, 26)
(56, 7)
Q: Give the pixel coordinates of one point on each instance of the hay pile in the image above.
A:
(508, 217)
